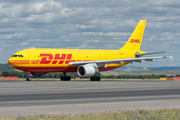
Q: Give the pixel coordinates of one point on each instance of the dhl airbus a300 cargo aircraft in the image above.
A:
(38, 61)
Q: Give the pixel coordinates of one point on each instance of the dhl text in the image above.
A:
(58, 59)
(134, 41)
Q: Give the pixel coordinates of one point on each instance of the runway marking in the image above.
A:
(92, 103)
(89, 94)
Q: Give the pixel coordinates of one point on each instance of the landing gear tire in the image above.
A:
(65, 78)
(95, 78)
(28, 79)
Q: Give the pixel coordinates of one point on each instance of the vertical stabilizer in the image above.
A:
(134, 42)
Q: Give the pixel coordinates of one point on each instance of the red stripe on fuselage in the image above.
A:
(57, 69)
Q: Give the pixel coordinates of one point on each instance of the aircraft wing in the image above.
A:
(119, 61)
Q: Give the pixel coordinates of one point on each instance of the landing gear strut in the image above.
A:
(29, 77)
(65, 77)
(95, 78)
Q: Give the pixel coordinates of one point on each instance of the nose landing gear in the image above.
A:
(29, 77)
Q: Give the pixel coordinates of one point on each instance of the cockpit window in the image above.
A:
(17, 55)
(14, 55)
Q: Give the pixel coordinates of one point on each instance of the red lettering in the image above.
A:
(54, 62)
(134, 41)
(57, 56)
(68, 61)
(46, 58)
(69, 57)
(137, 41)
(60, 62)
(60, 58)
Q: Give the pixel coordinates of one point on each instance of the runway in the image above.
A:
(77, 97)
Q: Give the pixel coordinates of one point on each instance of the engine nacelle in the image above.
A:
(87, 70)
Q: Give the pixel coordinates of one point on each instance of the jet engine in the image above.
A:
(87, 70)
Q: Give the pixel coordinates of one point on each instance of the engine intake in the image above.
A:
(86, 70)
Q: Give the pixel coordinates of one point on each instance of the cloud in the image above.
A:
(24, 44)
(101, 24)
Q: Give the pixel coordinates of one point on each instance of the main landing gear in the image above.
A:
(95, 78)
(65, 77)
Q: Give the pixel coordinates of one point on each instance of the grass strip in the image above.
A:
(160, 114)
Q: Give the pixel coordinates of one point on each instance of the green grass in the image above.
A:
(161, 114)
(168, 73)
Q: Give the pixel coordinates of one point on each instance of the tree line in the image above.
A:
(74, 74)
(5, 67)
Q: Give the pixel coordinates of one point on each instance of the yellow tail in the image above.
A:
(134, 42)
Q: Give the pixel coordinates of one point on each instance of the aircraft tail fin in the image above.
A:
(134, 42)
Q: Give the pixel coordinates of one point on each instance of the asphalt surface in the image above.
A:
(79, 97)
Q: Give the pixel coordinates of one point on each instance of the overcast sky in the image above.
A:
(89, 24)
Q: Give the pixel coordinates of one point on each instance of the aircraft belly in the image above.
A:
(60, 69)
(48, 69)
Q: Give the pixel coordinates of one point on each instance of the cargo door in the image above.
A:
(33, 58)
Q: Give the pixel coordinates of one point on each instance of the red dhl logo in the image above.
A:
(58, 59)
(134, 41)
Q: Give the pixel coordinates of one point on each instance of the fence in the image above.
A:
(173, 78)
(9, 78)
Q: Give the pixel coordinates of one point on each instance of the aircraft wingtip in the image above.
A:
(168, 57)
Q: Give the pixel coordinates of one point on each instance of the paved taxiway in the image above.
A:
(76, 97)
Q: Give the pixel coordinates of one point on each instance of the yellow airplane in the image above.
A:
(38, 61)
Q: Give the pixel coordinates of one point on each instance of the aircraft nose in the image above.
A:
(10, 61)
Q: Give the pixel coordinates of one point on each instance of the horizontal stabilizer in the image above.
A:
(141, 54)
